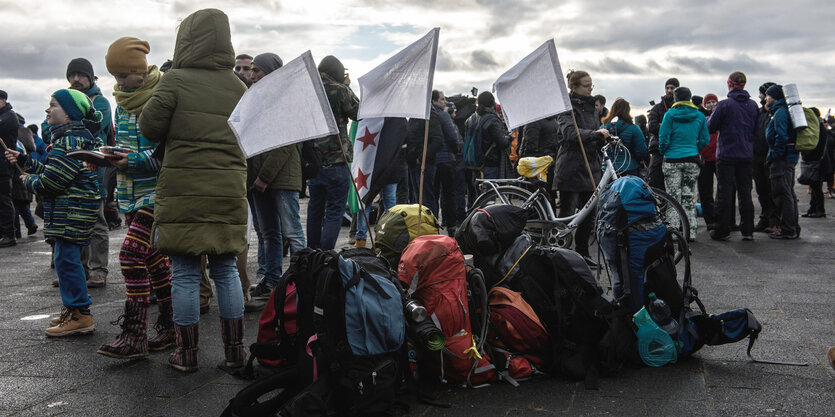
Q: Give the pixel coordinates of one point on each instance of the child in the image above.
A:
(71, 203)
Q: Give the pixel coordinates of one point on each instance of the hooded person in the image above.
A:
(200, 206)
(144, 268)
(735, 118)
(768, 221)
(70, 197)
(682, 134)
(781, 160)
(274, 180)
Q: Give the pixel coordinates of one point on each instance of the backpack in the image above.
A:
(311, 159)
(636, 244)
(807, 138)
(433, 272)
(344, 357)
(474, 153)
(398, 226)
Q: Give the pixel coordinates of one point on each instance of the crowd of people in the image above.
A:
(179, 178)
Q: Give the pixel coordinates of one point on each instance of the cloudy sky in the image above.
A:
(629, 47)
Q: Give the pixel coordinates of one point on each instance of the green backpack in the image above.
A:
(398, 226)
(807, 138)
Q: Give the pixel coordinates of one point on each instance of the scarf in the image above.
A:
(134, 101)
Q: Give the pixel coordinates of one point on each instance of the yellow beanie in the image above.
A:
(127, 56)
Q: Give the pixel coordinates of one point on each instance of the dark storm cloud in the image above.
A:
(479, 60)
(713, 65)
(482, 59)
(612, 66)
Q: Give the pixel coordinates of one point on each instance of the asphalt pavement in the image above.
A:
(789, 285)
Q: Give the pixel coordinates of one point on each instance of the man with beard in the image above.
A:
(655, 176)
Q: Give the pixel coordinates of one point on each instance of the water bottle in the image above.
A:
(660, 313)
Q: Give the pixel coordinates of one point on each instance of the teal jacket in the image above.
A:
(631, 137)
(683, 132)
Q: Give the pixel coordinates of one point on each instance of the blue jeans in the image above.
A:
(429, 200)
(72, 281)
(266, 211)
(328, 200)
(262, 259)
(185, 287)
(291, 222)
(389, 197)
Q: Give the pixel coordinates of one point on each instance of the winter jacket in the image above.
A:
(344, 104)
(780, 135)
(452, 139)
(656, 115)
(414, 139)
(760, 144)
(136, 185)
(40, 149)
(70, 192)
(8, 131)
(201, 206)
(736, 121)
(279, 168)
(708, 153)
(570, 171)
(683, 132)
(540, 138)
(493, 136)
(631, 137)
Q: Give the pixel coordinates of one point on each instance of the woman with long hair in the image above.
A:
(630, 135)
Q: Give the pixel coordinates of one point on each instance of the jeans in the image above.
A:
(22, 210)
(570, 202)
(277, 212)
(782, 190)
(389, 197)
(460, 193)
(185, 288)
(94, 257)
(72, 283)
(291, 222)
(262, 259)
(680, 179)
(734, 175)
(429, 200)
(328, 200)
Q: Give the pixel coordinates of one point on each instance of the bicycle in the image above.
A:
(548, 229)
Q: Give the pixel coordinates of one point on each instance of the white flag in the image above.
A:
(287, 106)
(402, 85)
(533, 89)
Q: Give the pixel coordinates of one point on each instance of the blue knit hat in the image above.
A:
(75, 103)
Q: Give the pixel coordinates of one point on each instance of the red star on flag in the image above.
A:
(368, 139)
(361, 181)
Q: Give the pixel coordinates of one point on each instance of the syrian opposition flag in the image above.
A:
(375, 149)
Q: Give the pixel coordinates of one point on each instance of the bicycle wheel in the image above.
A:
(513, 195)
(674, 216)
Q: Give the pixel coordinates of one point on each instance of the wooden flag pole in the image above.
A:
(3, 142)
(583, 151)
(357, 192)
(422, 168)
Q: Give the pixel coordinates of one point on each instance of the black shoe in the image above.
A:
(261, 290)
(814, 215)
(719, 236)
(761, 226)
(255, 304)
(31, 230)
(7, 241)
(734, 227)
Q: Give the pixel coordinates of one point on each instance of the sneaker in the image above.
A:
(74, 323)
(31, 230)
(780, 235)
(261, 290)
(360, 243)
(97, 280)
(719, 236)
(255, 304)
(748, 237)
(8, 241)
(771, 229)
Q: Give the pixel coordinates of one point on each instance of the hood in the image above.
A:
(333, 67)
(582, 101)
(94, 90)
(7, 107)
(739, 95)
(779, 104)
(684, 112)
(204, 41)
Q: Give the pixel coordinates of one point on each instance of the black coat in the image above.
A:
(494, 141)
(656, 115)
(760, 144)
(8, 131)
(571, 173)
(414, 139)
(541, 138)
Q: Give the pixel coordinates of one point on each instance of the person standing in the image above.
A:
(655, 173)
(781, 160)
(682, 134)
(243, 67)
(8, 133)
(571, 178)
(708, 168)
(328, 191)
(768, 221)
(736, 120)
(446, 164)
(145, 269)
(200, 206)
(630, 135)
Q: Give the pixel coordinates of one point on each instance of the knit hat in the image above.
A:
(127, 56)
(709, 97)
(765, 86)
(268, 62)
(4, 95)
(333, 67)
(74, 102)
(82, 66)
(775, 92)
(697, 100)
(673, 81)
(682, 94)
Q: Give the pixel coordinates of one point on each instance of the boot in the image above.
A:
(164, 326)
(132, 343)
(184, 358)
(71, 322)
(360, 243)
(232, 332)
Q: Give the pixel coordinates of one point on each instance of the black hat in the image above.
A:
(697, 100)
(83, 66)
(765, 86)
(333, 67)
(775, 92)
(4, 95)
(673, 81)
(682, 94)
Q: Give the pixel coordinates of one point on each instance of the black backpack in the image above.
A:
(325, 375)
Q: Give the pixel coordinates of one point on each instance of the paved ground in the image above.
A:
(789, 285)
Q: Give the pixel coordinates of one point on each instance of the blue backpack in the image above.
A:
(473, 152)
(636, 244)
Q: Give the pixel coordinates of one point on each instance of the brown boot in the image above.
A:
(97, 280)
(232, 333)
(72, 322)
(165, 337)
(132, 343)
(184, 358)
(65, 313)
(360, 243)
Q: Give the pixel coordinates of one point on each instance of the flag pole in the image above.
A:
(3, 142)
(357, 192)
(583, 151)
(422, 168)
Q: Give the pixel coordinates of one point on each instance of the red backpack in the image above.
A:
(518, 341)
(267, 324)
(433, 272)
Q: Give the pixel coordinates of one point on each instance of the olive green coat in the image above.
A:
(201, 205)
(280, 168)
